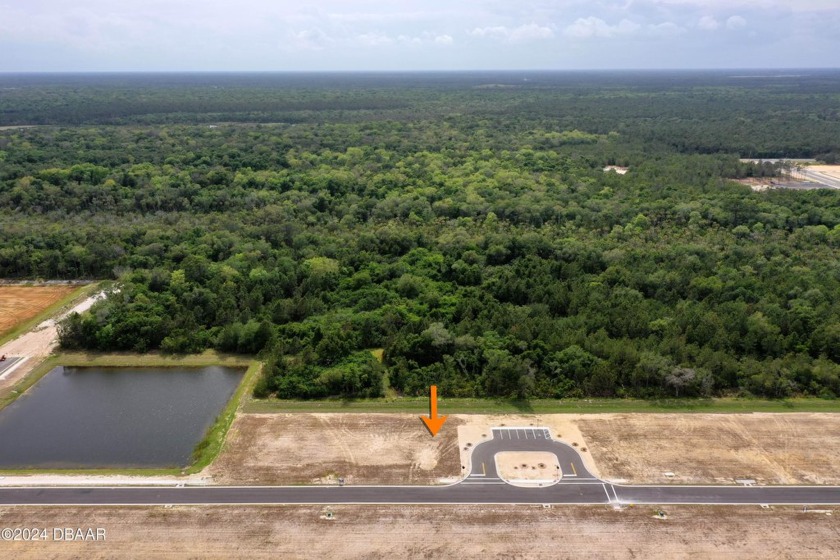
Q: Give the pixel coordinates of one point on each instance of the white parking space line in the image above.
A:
(526, 433)
(613, 491)
(604, 486)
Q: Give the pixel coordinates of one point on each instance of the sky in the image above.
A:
(414, 35)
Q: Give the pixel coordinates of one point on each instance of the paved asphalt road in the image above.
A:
(525, 439)
(482, 486)
(7, 364)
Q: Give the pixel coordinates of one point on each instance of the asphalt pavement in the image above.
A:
(6, 365)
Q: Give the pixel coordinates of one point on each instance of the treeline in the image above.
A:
(687, 112)
(486, 252)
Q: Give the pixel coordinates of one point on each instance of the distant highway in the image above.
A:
(481, 486)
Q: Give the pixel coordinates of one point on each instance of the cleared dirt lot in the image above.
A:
(19, 303)
(319, 448)
(430, 532)
(37, 344)
(830, 170)
(792, 448)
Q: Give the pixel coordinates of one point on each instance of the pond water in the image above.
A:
(84, 417)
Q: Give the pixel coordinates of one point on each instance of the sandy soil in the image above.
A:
(757, 184)
(363, 448)
(831, 170)
(618, 169)
(19, 303)
(429, 532)
(792, 448)
(319, 448)
(37, 344)
(523, 466)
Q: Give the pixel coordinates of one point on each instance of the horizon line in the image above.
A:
(427, 71)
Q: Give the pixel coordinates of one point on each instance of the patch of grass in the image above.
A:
(67, 302)
(28, 381)
(545, 406)
(210, 446)
(151, 359)
(387, 390)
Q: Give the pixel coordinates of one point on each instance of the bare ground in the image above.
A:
(790, 448)
(830, 170)
(37, 344)
(318, 448)
(429, 532)
(19, 303)
(521, 466)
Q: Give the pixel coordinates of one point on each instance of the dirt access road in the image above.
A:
(38, 343)
(521, 532)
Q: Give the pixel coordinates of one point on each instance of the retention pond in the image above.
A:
(84, 417)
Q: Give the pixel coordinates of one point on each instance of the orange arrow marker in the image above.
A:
(433, 422)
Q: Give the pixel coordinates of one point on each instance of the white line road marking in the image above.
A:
(526, 433)
(613, 491)
(19, 362)
(604, 486)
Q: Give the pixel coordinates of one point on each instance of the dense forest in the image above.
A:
(367, 234)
